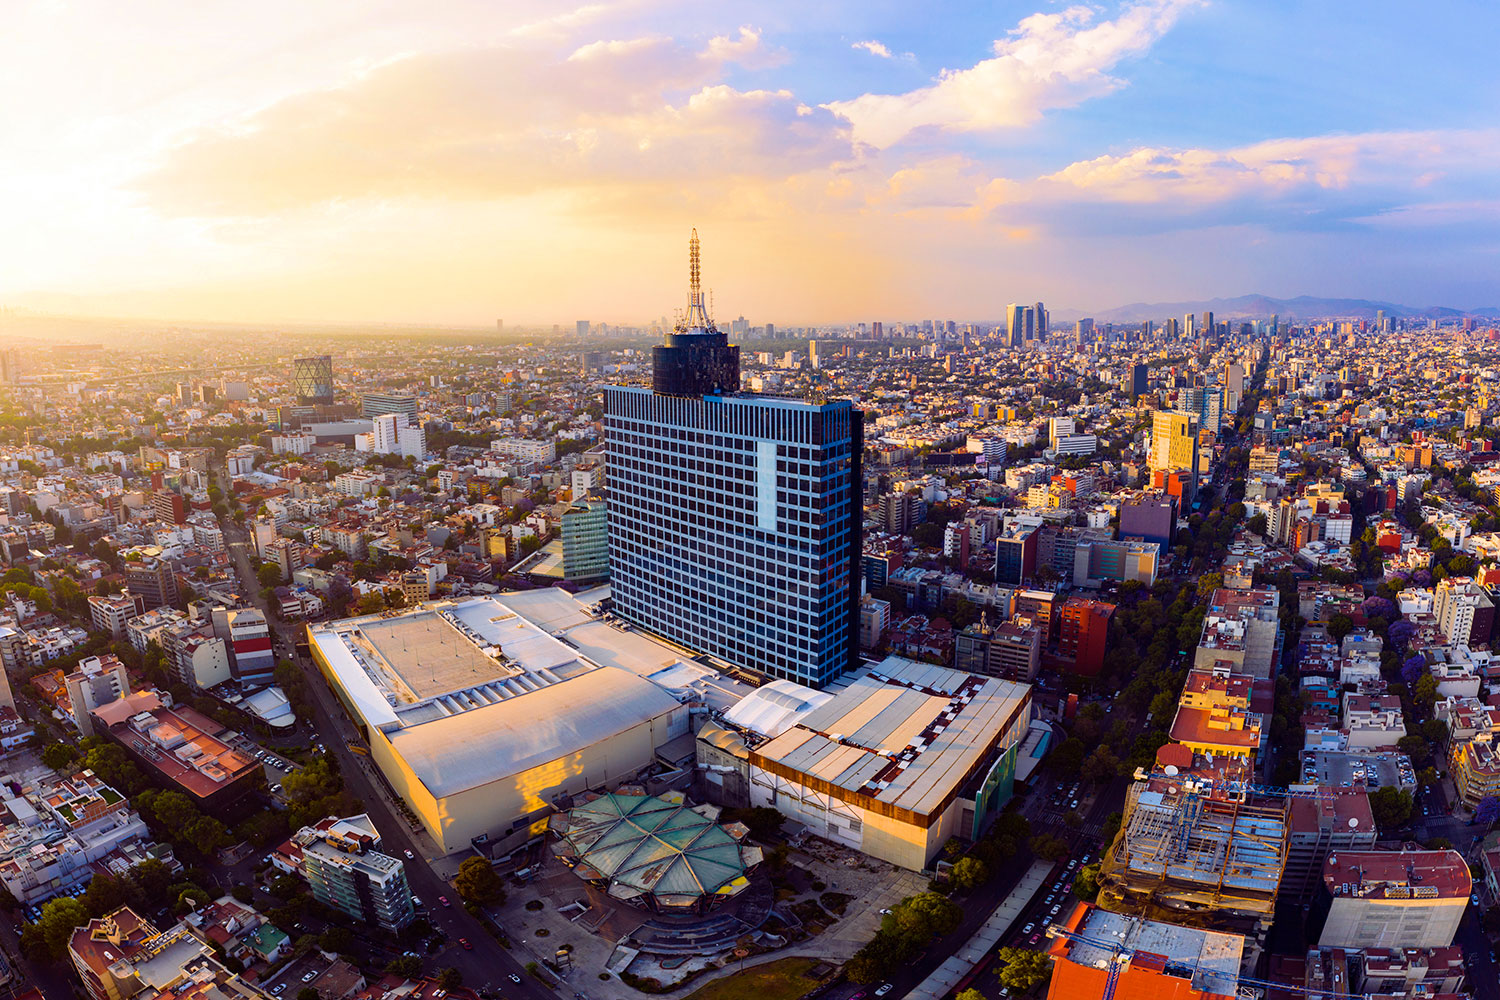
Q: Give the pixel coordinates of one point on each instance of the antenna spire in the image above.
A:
(694, 289)
(697, 316)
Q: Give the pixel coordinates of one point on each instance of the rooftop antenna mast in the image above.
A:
(696, 317)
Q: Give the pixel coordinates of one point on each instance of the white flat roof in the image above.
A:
(474, 748)
(473, 690)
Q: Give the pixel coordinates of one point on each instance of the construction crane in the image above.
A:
(1192, 783)
(1120, 957)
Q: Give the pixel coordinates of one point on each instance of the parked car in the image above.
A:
(884, 989)
(466, 945)
(443, 900)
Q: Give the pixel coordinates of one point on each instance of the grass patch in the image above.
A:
(784, 979)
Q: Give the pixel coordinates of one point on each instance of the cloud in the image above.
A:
(1313, 183)
(498, 122)
(1276, 168)
(1048, 61)
(874, 48)
(745, 49)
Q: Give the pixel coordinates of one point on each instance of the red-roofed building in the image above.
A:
(1157, 961)
(1394, 899)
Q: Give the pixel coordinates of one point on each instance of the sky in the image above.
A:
(458, 161)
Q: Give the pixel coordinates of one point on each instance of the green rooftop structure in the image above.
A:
(655, 852)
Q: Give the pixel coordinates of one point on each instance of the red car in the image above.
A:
(466, 945)
(443, 900)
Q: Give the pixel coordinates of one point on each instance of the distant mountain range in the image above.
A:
(1303, 307)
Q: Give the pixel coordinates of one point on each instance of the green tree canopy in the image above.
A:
(477, 883)
(1024, 969)
(969, 873)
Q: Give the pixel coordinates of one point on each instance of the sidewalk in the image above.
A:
(986, 938)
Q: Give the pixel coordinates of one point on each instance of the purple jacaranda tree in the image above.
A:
(1412, 668)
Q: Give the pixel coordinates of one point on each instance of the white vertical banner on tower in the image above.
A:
(765, 485)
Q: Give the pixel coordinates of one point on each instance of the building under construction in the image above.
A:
(1195, 855)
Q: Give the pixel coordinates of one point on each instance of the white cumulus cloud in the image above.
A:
(1048, 61)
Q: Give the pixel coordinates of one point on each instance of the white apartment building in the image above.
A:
(544, 452)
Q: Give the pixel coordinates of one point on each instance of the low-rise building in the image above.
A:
(181, 749)
(53, 831)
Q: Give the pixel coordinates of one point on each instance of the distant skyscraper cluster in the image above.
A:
(1024, 324)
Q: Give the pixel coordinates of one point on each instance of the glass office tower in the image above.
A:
(734, 519)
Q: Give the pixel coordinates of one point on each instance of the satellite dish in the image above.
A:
(1171, 770)
(1353, 822)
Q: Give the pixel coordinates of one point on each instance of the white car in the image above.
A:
(884, 989)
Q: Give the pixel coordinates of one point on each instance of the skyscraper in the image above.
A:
(1208, 325)
(1174, 442)
(1041, 322)
(1015, 324)
(312, 379)
(734, 519)
(1139, 381)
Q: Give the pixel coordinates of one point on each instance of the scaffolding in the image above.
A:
(1193, 856)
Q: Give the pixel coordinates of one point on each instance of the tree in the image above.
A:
(1101, 765)
(969, 873)
(477, 883)
(451, 979)
(58, 756)
(1086, 884)
(269, 574)
(60, 918)
(1416, 748)
(1339, 626)
(1068, 757)
(1045, 845)
(970, 994)
(1256, 524)
(1435, 730)
(107, 893)
(1424, 693)
(1412, 668)
(923, 916)
(337, 939)
(1024, 969)
(764, 822)
(404, 965)
(1487, 811)
(154, 878)
(1391, 807)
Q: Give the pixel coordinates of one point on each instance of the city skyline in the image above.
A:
(538, 165)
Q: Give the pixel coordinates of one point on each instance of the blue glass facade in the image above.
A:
(734, 526)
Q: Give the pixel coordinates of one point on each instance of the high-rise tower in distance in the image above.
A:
(312, 379)
(734, 519)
